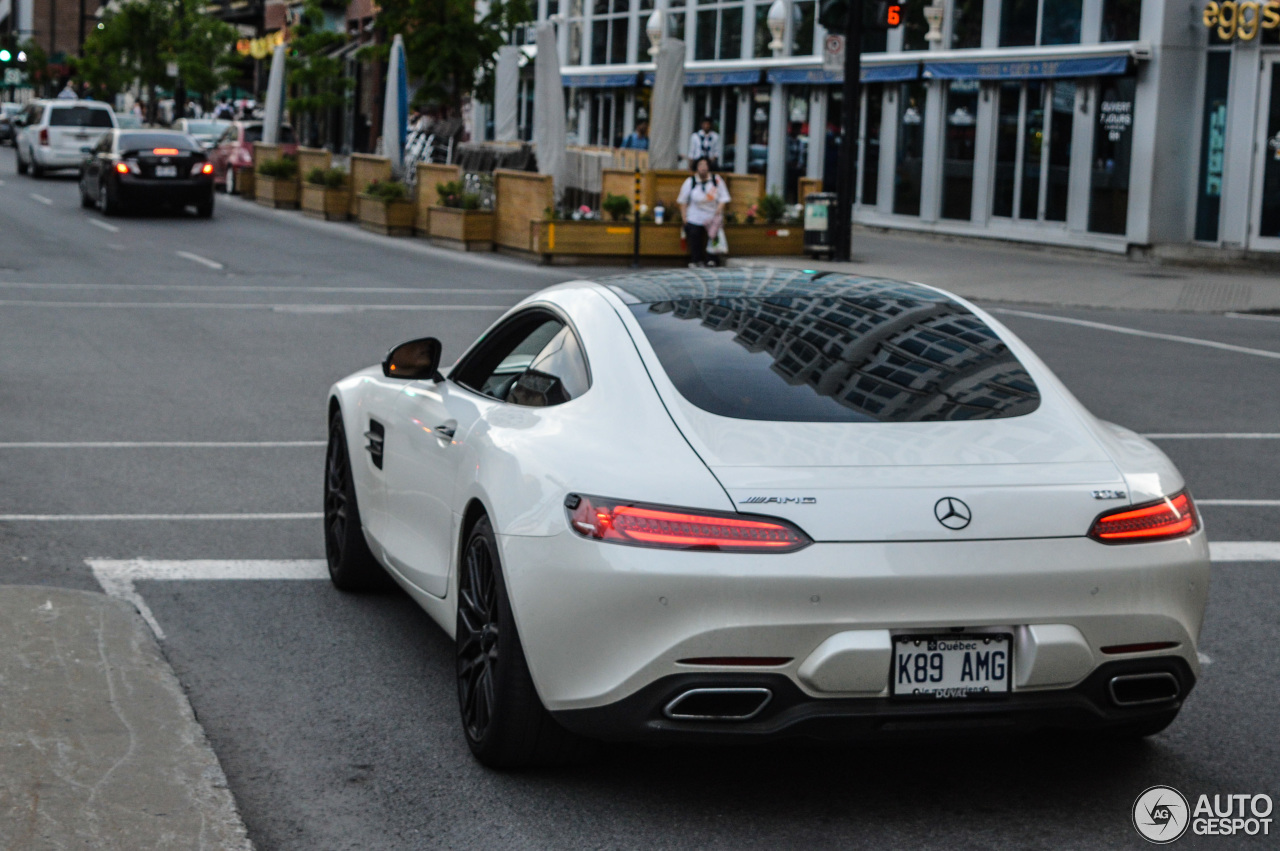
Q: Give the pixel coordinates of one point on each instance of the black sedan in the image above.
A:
(146, 169)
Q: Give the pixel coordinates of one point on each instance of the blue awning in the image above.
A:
(1032, 69)
(599, 81)
(722, 78)
(821, 77)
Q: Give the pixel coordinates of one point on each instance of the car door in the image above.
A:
(94, 163)
(433, 425)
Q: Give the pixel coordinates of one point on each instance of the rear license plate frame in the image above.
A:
(166, 171)
(928, 643)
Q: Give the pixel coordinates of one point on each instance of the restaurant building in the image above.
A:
(1107, 124)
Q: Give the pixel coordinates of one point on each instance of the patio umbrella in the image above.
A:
(275, 99)
(668, 97)
(506, 84)
(395, 108)
(548, 109)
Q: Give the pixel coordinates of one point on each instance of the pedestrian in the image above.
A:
(705, 142)
(638, 139)
(224, 111)
(702, 200)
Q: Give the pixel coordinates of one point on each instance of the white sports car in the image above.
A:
(697, 505)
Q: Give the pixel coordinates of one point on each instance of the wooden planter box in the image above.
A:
(393, 218)
(321, 202)
(277, 192)
(553, 240)
(465, 230)
(244, 182)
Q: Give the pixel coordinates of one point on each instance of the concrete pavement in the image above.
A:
(99, 745)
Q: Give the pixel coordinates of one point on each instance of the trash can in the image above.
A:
(817, 216)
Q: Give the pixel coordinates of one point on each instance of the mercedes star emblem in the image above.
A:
(952, 513)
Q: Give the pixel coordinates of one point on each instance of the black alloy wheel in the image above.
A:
(505, 723)
(352, 566)
(106, 201)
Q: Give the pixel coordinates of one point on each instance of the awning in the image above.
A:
(1029, 69)
(599, 81)
(745, 77)
(822, 77)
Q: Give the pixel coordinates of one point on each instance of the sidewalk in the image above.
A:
(990, 270)
(99, 746)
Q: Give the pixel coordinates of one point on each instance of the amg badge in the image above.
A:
(779, 500)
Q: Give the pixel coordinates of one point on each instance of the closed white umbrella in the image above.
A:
(506, 84)
(395, 108)
(275, 98)
(549, 135)
(668, 97)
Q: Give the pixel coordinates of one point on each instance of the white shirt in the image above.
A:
(704, 145)
(704, 199)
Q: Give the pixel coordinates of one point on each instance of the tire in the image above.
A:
(22, 166)
(205, 208)
(503, 719)
(352, 566)
(37, 170)
(85, 201)
(229, 181)
(107, 201)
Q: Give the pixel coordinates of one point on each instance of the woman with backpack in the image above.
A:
(702, 200)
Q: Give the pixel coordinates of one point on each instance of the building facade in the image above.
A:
(1104, 124)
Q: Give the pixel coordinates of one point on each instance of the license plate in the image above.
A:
(943, 667)
(166, 171)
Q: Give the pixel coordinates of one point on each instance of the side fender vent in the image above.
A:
(376, 435)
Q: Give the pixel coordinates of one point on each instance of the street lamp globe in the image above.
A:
(777, 21)
(654, 29)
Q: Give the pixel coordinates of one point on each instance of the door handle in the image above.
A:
(446, 430)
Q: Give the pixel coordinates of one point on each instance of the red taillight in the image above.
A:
(207, 168)
(122, 168)
(165, 152)
(44, 136)
(1171, 517)
(643, 525)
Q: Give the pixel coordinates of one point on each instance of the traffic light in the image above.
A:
(834, 15)
(5, 55)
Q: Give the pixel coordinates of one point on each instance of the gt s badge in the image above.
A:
(779, 500)
(1109, 494)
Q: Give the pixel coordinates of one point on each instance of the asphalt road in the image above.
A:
(335, 715)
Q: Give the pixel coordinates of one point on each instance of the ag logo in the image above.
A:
(1161, 815)
(952, 513)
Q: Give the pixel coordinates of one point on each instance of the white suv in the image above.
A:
(53, 133)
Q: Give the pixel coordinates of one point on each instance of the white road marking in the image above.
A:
(117, 577)
(42, 199)
(1254, 316)
(103, 225)
(1216, 435)
(262, 288)
(280, 308)
(196, 258)
(1244, 550)
(1204, 658)
(1241, 503)
(93, 518)
(1119, 329)
(159, 444)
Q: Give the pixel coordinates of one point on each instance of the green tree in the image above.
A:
(316, 78)
(447, 48)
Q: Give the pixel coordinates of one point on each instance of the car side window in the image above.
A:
(534, 360)
(104, 144)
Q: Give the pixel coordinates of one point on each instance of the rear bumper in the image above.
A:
(49, 157)
(790, 713)
(189, 191)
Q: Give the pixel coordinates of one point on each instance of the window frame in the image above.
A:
(475, 351)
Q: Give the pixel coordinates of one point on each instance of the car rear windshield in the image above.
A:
(147, 141)
(825, 358)
(79, 116)
(254, 134)
(205, 127)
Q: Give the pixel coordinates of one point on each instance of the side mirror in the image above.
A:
(414, 360)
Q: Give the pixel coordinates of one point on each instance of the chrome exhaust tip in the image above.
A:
(1139, 689)
(718, 704)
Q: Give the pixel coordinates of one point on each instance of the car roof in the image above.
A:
(96, 104)
(761, 282)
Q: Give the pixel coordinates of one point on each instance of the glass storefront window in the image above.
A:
(731, 33)
(1018, 22)
(575, 33)
(1032, 140)
(1062, 105)
(1269, 221)
(722, 105)
(758, 149)
(961, 114)
(1030, 22)
(835, 139)
(760, 35)
(871, 145)
(1213, 145)
(705, 46)
(1121, 20)
(802, 16)
(1060, 22)
(609, 32)
(966, 23)
(719, 34)
(914, 27)
(797, 141)
(910, 160)
(1006, 149)
(1112, 150)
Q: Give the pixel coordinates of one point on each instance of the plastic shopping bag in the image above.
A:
(719, 245)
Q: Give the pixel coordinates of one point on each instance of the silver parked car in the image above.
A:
(52, 134)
